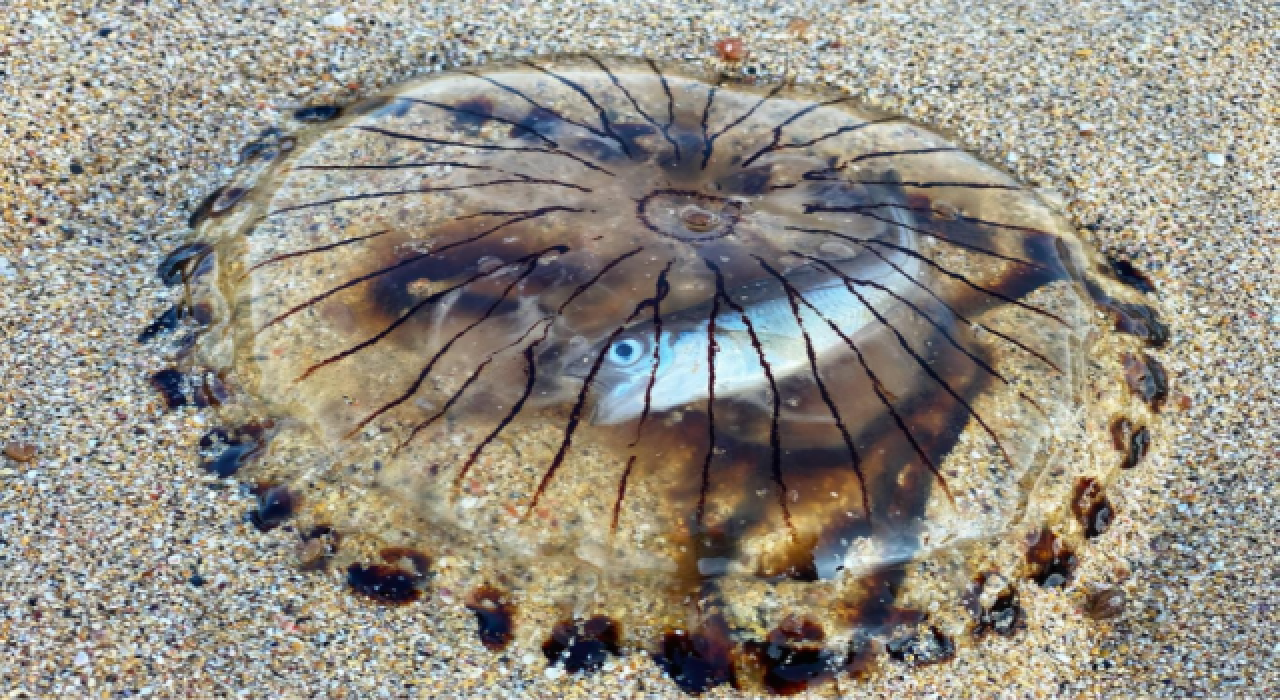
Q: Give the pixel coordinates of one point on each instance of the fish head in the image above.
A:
(641, 368)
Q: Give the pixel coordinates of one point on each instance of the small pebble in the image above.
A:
(335, 20)
(20, 451)
(1216, 159)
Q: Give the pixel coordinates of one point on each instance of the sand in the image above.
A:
(124, 570)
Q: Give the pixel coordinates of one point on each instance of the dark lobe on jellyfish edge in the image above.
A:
(162, 325)
(1090, 506)
(172, 317)
(1005, 617)
(208, 389)
(203, 209)
(1135, 448)
(224, 453)
(928, 646)
(1147, 379)
(1133, 443)
(276, 504)
(172, 385)
(495, 616)
(1050, 560)
(391, 583)
(1138, 320)
(317, 114)
(792, 657)
(583, 645)
(186, 262)
(228, 454)
(700, 660)
(1130, 275)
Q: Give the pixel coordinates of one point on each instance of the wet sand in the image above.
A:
(127, 571)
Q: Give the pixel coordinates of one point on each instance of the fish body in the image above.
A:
(677, 363)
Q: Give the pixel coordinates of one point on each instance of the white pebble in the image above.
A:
(1216, 159)
(335, 20)
(82, 659)
(553, 672)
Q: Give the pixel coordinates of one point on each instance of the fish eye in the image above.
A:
(626, 352)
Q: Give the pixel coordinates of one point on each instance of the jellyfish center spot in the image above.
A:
(688, 216)
(697, 219)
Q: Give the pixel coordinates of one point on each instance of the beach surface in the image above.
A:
(125, 570)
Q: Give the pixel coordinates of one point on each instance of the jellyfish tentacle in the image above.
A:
(854, 456)
(809, 209)
(517, 180)
(542, 109)
(926, 210)
(775, 434)
(875, 155)
(712, 347)
(531, 260)
(585, 94)
(531, 367)
(920, 361)
(871, 375)
(711, 141)
(662, 289)
(487, 116)
(316, 299)
(579, 406)
(435, 141)
(773, 144)
(671, 107)
(933, 264)
(954, 312)
(920, 313)
(635, 104)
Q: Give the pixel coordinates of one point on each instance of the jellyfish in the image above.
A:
(752, 378)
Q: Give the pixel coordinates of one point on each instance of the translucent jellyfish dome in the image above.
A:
(749, 377)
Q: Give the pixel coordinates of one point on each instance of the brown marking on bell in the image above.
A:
(1147, 379)
(495, 616)
(701, 659)
(1051, 560)
(1091, 508)
(792, 658)
(924, 647)
(1121, 433)
(276, 504)
(1130, 275)
(172, 385)
(392, 583)
(583, 645)
(1003, 615)
(185, 263)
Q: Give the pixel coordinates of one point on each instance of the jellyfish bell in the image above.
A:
(664, 352)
